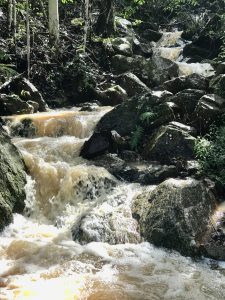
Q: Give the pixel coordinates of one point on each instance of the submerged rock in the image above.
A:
(12, 180)
(175, 214)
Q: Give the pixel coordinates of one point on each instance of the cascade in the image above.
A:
(77, 238)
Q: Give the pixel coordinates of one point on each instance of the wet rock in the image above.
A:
(193, 81)
(220, 69)
(171, 143)
(110, 222)
(102, 142)
(112, 96)
(144, 49)
(209, 108)
(12, 105)
(157, 173)
(122, 118)
(25, 90)
(132, 84)
(204, 47)
(151, 71)
(151, 35)
(175, 214)
(217, 85)
(24, 128)
(12, 180)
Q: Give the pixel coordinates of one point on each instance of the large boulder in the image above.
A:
(217, 85)
(25, 90)
(175, 215)
(122, 46)
(151, 35)
(171, 143)
(12, 180)
(132, 84)
(13, 105)
(112, 96)
(153, 71)
(208, 109)
(187, 101)
(193, 81)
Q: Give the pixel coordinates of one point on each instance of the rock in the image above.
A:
(25, 90)
(110, 222)
(101, 142)
(122, 118)
(112, 96)
(151, 35)
(208, 109)
(187, 101)
(157, 173)
(122, 46)
(217, 85)
(161, 69)
(143, 49)
(175, 214)
(204, 47)
(98, 144)
(220, 69)
(124, 26)
(152, 72)
(171, 143)
(12, 180)
(24, 128)
(132, 84)
(193, 81)
(13, 105)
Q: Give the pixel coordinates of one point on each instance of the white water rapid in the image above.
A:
(39, 259)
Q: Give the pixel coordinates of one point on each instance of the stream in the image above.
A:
(40, 260)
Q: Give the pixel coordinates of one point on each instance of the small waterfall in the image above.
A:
(171, 45)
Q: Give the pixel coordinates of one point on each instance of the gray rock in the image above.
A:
(193, 81)
(175, 214)
(113, 95)
(217, 85)
(152, 71)
(208, 109)
(170, 144)
(25, 90)
(132, 84)
(122, 46)
(13, 105)
(12, 180)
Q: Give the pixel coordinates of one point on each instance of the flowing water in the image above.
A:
(65, 194)
(40, 260)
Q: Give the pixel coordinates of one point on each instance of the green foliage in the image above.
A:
(136, 137)
(147, 117)
(7, 70)
(210, 152)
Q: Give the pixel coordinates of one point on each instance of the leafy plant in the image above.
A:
(147, 117)
(7, 70)
(136, 137)
(210, 151)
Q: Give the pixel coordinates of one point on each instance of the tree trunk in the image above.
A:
(106, 21)
(53, 12)
(28, 38)
(10, 16)
(14, 13)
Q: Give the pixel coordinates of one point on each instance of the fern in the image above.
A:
(7, 70)
(147, 117)
(136, 137)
